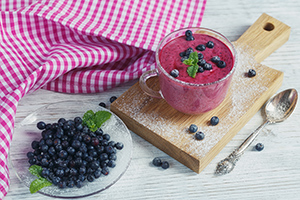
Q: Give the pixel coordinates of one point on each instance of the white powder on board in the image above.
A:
(244, 92)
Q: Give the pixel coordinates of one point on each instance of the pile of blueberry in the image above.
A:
(70, 153)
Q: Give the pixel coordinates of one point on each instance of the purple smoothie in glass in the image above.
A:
(208, 89)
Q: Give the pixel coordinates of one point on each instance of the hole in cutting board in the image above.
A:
(269, 26)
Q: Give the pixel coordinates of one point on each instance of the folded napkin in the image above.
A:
(79, 46)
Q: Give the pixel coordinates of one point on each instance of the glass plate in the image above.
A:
(26, 132)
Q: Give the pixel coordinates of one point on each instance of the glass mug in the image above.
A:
(189, 98)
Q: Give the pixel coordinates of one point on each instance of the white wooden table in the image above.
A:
(273, 173)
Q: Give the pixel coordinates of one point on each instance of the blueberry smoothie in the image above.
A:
(195, 70)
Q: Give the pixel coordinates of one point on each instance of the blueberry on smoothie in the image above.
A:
(215, 59)
(210, 44)
(200, 69)
(201, 47)
(207, 66)
(221, 64)
(201, 62)
(188, 33)
(200, 56)
(193, 128)
(251, 73)
(174, 73)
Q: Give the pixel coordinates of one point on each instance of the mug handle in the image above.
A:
(144, 77)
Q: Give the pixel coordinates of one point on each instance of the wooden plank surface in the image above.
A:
(167, 129)
(270, 174)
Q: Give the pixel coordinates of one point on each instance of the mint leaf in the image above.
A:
(101, 117)
(36, 170)
(94, 120)
(192, 70)
(38, 184)
(192, 61)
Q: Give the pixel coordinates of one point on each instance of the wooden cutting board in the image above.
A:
(167, 129)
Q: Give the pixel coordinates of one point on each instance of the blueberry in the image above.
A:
(157, 162)
(174, 73)
(44, 162)
(97, 173)
(191, 38)
(90, 178)
(105, 171)
(184, 58)
(60, 172)
(251, 73)
(30, 155)
(119, 145)
(35, 145)
(189, 51)
(55, 180)
(95, 141)
(200, 69)
(112, 156)
(63, 154)
(215, 59)
(76, 144)
(102, 104)
(199, 135)
(214, 120)
(112, 99)
(207, 66)
(210, 44)
(201, 62)
(193, 128)
(200, 56)
(41, 125)
(259, 146)
(77, 120)
(51, 151)
(165, 165)
(201, 47)
(99, 131)
(44, 148)
(103, 156)
(32, 161)
(45, 172)
(181, 54)
(106, 137)
(221, 64)
(111, 164)
(78, 183)
(109, 149)
(70, 183)
(188, 33)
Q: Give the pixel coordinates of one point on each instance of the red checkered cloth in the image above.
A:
(79, 46)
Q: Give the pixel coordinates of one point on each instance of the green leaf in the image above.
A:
(192, 61)
(38, 184)
(101, 117)
(36, 170)
(192, 70)
(88, 115)
(94, 120)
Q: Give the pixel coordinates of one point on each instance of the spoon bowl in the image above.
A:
(281, 106)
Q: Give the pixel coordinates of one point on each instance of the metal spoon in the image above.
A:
(277, 109)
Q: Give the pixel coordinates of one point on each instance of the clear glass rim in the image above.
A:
(196, 84)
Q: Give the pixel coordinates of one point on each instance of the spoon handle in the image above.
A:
(226, 165)
(240, 150)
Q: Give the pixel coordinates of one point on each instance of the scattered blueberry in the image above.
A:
(112, 99)
(193, 128)
(102, 104)
(215, 59)
(165, 165)
(199, 135)
(214, 120)
(174, 73)
(210, 44)
(259, 146)
(251, 73)
(201, 47)
(221, 64)
(157, 162)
